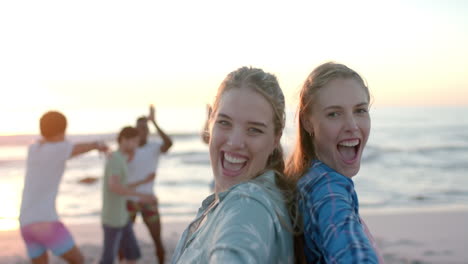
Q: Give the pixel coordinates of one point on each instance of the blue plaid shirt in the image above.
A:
(333, 231)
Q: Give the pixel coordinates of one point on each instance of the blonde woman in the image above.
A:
(334, 125)
(245, 220)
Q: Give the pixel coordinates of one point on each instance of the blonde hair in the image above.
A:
(267, 85)
(304, 152)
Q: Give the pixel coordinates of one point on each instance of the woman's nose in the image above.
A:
(351, 123)
(236, 139)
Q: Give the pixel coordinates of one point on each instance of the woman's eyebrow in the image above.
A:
(255, 123)
(224, 116)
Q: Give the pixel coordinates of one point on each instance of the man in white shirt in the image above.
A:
(41, 228)
(144, 163)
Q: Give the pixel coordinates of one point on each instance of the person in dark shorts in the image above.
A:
(117, 227)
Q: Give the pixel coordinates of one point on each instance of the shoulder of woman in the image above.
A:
(261, 186)
(320, 182)
(318, 172)
(250, 198)
(248, 190)
(254, 193)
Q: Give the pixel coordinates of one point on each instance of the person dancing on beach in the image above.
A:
(41, 228)
(333, 128)
(246, 220)
(118, 229)
(146, 162)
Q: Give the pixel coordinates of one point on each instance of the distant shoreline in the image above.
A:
(25, 139)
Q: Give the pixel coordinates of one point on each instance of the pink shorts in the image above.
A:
(43, 236)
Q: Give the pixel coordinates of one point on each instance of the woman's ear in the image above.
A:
(209, 110)
(307, 125)
(278, 139)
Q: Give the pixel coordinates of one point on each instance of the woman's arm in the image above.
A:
(341, 233)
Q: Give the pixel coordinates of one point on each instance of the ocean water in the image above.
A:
(416, 158)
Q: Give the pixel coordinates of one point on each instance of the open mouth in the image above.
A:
(232, 163)
(349, 150)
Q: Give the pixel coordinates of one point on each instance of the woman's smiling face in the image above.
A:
(339, 124)
(242, 137)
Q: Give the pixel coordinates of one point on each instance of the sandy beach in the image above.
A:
(89, 237)
(404, 237)
(422, 236)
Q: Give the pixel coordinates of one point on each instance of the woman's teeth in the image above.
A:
(233, 165)
(233, 159)
(349, 143)
(348, 149)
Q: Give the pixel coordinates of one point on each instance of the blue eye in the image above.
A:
(254, 130)
(223, 123)
(362, 110)
(333, 114)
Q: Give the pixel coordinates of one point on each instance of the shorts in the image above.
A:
(43, 236)
(149, 211)
(116, 238)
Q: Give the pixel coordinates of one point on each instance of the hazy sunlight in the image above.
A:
(106, 54)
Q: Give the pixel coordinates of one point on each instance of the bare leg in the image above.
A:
(73, 256)
(42, 259)
(154, 227)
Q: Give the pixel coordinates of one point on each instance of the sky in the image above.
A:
(98, 60)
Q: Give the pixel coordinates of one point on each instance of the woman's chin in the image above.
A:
(350, 170)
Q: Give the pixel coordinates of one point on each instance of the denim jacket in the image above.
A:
(241, 225)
